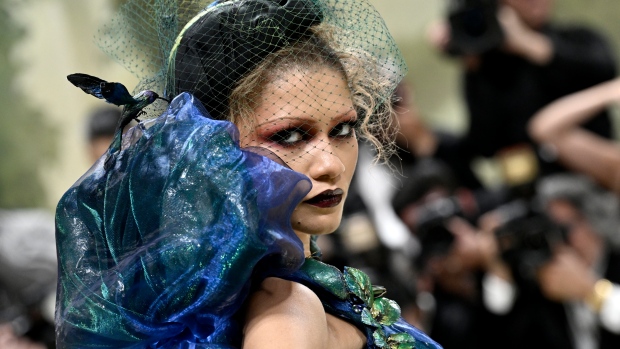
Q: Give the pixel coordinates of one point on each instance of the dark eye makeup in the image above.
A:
(289, 136)
(292, 135)
(344, 129)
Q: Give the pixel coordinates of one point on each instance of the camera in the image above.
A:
(474, 26)
(430, 220)
(431, 197)
(528, 242)
(431, 230)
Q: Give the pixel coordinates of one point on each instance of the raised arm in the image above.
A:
(557, 126)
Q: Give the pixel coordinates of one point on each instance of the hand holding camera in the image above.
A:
(566, 277)
(474, 27)
(522, 40)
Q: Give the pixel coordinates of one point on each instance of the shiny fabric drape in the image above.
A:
(159, 251)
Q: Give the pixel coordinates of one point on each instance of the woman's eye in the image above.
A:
(288, 137)
(344, 130)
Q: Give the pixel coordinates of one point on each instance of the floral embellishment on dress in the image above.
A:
(375, 310)
(394, 341)
(366, 300)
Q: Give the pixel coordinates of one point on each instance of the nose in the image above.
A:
(325, 164)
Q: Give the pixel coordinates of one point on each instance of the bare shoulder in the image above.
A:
(284, 290)
(286, 314)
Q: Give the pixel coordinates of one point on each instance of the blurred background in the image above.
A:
(44, 127)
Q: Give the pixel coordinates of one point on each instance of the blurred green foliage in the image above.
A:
(27, 141)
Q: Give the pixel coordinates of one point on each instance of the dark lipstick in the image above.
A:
(328, 198)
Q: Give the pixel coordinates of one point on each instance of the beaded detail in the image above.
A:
(366, 300)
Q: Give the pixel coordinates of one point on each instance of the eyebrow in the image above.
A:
(310, 118)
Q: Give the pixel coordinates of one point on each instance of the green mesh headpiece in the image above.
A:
(145, 32)
(225, 42)
(215, 50)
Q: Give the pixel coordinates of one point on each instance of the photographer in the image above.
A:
(585, 275)
(515, 61)
(565, 269)
(453, 257)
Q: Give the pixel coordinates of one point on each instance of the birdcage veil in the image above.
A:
(209, 49)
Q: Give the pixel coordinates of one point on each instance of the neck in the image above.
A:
(305, 239)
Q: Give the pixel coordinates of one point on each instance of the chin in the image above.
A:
(309, 220)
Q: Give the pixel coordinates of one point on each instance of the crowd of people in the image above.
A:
(533, 262)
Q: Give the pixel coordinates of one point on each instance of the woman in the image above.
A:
(193, 240)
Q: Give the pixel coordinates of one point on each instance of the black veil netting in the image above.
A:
(205, 47)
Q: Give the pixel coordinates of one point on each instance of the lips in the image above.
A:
(328, 198)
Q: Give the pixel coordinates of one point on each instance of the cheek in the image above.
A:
(348, 153)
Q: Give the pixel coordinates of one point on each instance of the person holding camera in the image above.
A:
(536, 275)
(516, 61)
(564, 263)
(453, 257)
(584, 274)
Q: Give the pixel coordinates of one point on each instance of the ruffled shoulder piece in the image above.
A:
(159, 251)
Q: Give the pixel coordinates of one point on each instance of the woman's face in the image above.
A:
(307, 118)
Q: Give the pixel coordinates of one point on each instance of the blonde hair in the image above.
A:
(363, 75)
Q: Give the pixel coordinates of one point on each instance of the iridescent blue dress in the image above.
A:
(162, 250)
